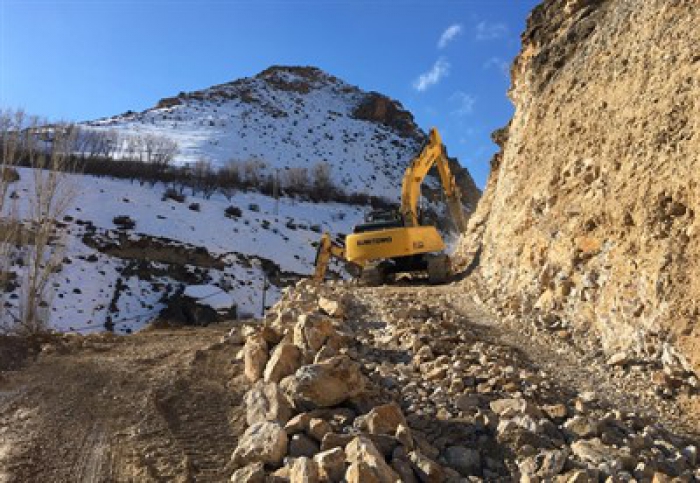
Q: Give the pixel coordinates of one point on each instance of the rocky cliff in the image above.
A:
(588, 220)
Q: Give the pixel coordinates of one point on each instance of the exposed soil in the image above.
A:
(155, 406)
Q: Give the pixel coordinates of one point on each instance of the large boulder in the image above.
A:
(324, 384)
(263, 442)
(284, 361)
(265, 402)
(255, 357)
(311, 332)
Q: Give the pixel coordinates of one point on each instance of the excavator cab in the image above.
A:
(380, 220)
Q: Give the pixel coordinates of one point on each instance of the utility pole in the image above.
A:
(276, 190)
(265, 285)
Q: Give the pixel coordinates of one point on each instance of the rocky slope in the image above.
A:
(588, 220)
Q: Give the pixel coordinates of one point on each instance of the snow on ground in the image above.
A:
(281, 231)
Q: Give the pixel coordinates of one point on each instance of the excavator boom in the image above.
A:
(432, 153)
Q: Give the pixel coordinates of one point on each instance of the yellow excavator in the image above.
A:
(390, 243)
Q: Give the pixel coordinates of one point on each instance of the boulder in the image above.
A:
(254, 357)
(264, 442)
(466, 461)
(311, 332)
(385, 419)
(367, 464)
(325, 384)
(253, 473)
(303, 470)
(284, 361)
(427, 470)
(265, 402)
(318, 428)
(331, 464)
(302, 445)
(333, 308)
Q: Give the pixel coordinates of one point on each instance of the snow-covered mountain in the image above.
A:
(130, 248)
(287, 117)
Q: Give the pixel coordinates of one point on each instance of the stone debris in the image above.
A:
(411, 393)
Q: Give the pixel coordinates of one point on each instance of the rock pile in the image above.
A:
(368, 387)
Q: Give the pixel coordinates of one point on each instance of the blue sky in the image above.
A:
(446, 61)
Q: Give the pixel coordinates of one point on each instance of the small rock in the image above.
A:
(318, 428)
(298, 424)
(619, 359)
(330, 307)
(253, 473)
(583, 427)
(428, 471)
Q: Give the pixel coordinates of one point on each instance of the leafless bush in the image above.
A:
(204, 178)
(253, 171)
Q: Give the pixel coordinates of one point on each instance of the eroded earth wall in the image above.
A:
(589, 219)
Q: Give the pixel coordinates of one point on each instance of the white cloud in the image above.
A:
(448, 35)
(440, 70)
(498, 63)
(465, 103)
(491, 31)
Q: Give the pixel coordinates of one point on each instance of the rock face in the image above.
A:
(589, 213)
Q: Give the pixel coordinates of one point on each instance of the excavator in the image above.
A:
(394, 242)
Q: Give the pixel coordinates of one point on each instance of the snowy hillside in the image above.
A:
(130, 249)
(287, 117)
(123, 276)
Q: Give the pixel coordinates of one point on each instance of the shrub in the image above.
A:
(124, 222)
(254, 207)
(194, 207)
(175, 195)
(233, 212)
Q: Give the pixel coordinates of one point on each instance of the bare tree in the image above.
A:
(11, 124)
(253, 171)
(39, 242)
(296, 179)
(323, 184)
(205, 180)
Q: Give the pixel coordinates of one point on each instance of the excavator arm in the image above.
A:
(327, 249)
(432, 153)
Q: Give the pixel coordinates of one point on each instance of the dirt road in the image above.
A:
(156, 406)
